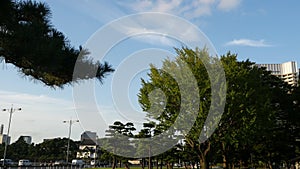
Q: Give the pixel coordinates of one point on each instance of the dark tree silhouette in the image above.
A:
(29, 41)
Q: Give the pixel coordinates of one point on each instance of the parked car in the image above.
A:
(60, 163)
(24, 162)
(7, 162)
(79, 163)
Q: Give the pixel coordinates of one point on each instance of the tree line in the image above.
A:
(50, 150)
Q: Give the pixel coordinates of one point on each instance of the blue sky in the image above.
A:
(262, 31)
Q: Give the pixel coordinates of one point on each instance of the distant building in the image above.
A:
(4, 139)
(88, 135)
(87, 149)
(27, 139)
(1, 129)
(88, 146)
(287, 71)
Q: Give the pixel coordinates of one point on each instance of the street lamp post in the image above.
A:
(95, 154)
(70, 130)
(11, 110)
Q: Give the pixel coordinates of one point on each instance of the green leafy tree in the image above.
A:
(256, 120)
(173, 103)
(268, 135)
(295, 116)
(242, 104)
(30, 42)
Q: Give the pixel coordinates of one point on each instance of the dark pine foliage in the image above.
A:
(30, 42)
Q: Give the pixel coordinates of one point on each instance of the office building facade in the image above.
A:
(287, 71)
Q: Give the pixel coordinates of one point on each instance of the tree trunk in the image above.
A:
(114, 162)
(150, 160)
(240, 164)
(193, 165)
(169, 165)
(126, 165)
(246, 164)
(265, 165)
(185, 166)
(270, 165)
(202, 155)
(203, 164)
(161, 162)
(150, 163)
(143, 163)
(225, 161)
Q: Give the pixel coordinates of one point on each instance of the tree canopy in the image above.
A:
(29, 41)
(257, 125)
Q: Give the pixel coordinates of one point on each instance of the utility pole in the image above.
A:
(11, 110)
(70, 130)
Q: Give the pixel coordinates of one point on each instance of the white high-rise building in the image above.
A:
(287, 71)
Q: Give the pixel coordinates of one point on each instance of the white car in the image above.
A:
(24, 162)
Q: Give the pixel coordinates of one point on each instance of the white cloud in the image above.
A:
(248, 42)
(166, 6)
(227, 5)
(156, 39)
(201, 10)
(152, 28)
(41, 116)
(186, 8)
(153, 6)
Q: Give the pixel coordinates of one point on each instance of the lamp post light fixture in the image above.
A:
(70, 130)
(11, 110)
